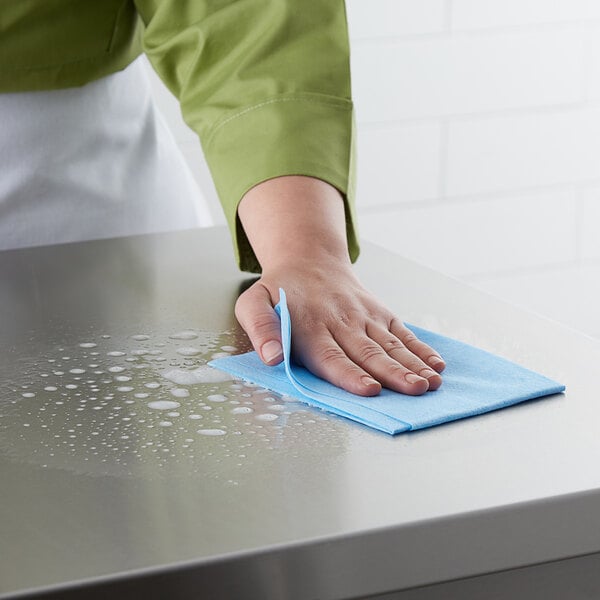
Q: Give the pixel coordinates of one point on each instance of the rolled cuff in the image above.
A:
(296, 134)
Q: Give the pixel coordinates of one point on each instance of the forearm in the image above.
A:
(295, 220)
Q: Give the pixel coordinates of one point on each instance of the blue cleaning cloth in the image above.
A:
(474, 382)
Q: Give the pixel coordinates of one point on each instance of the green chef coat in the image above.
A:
(264, 83)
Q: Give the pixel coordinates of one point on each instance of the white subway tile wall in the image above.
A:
(478, 237)
(478, 143)
(465, 74)
(541, 149)
(479, 14)
(409, 151)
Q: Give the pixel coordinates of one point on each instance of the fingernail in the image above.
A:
(427, 373)
(413, 378)
(436, 361)
(366, 380)
(271, 350)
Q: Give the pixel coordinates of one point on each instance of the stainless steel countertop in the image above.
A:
(103, 491)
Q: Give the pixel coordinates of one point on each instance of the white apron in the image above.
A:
(91, 162)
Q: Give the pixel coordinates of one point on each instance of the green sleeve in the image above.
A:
(266, 85)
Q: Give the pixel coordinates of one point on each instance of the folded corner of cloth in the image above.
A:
(475, 382)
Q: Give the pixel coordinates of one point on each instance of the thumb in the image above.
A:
(257, 316)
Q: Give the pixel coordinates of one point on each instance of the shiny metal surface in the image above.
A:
(117, 477)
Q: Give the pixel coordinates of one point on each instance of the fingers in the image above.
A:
(327, 360)
(360, 365)
(391, 359)
(416, 346)
(254, 310)
(388, 361)
(397, 359)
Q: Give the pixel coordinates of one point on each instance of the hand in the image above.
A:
(296, 226)
(340, 331)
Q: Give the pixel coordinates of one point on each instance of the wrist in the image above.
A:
(310, 259)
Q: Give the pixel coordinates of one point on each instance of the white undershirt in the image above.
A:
(91, 162)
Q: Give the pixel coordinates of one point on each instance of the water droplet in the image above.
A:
(216, 398)
(180, 392)
(116, 369)
(194, 417)
(241, 410)
(124, 388)
(267, 417)
(115, 353)
(211, 432)
(77, 371)
(88, 345)
(50, 388)
(139, 352)
(140, 337)
(28, 395)
(165, 423)
(203, 374)
(163, 404)
(186, 334)
(188, 351)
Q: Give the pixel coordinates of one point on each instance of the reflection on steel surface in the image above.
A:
(112, 405)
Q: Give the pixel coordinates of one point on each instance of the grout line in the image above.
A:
(579, 221)
(443, 161)
(518, 111)
(482, 31)
(482, 276)
(481, 197)
(586, 34)
(448, 10)
(590, 262)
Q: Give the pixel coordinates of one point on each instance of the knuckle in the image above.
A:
(333, 364)
(397, 369)
(409, 338)
(330, 354)
(345, 320)
(395, 324)
(261, 325)
(368, 352)
(392, 345)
